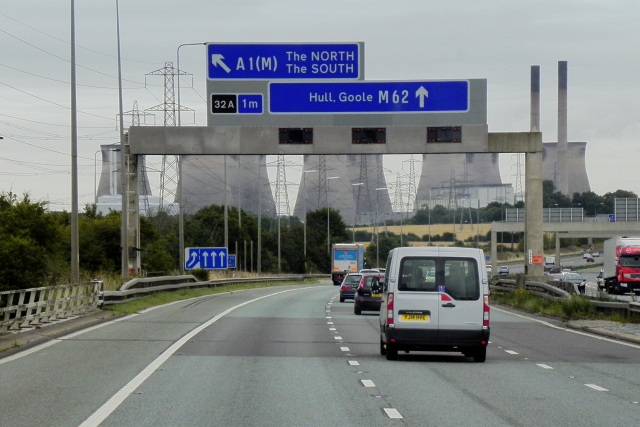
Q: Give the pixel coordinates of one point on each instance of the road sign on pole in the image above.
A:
(369, 97)
(231, 261)
(257, 61)
(205, 258)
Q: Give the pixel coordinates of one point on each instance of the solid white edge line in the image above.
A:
(392, 412)
(116, 400)
(29, 351)
(60, 339)
(567, 329)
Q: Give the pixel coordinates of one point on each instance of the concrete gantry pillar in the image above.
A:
(558, 248)
(533, 211)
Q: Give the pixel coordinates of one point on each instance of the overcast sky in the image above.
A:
(404, 40)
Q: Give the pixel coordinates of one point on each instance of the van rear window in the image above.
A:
(457, 276)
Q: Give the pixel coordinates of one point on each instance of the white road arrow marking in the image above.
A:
(216, 59)
(422, 94)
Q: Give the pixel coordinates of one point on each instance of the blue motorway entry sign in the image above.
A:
(205, 258)
(231, 261)
(369, 97)
(284, 61)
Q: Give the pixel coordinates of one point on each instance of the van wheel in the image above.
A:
(392, 352)
(480, 355)
(383, 348)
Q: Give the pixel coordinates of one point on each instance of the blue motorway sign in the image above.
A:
(283, 61)
(369, 97)
(242, 103)
(231, 261)
(205, 258)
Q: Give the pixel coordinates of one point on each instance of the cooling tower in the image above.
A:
(341, 194)
(576, 165)
(203, 184)
(438, 170)
(109, 184)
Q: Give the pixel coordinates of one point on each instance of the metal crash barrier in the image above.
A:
(32, 307)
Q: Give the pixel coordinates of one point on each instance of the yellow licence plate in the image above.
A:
(376, 295)
(415, 317)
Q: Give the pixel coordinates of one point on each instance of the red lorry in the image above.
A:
(621, 268)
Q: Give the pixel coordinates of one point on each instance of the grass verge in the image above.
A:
(575, 308)
(161, 298)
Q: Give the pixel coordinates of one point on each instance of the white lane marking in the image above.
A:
(344, 348)
(337, 337)
(367, 383)
(328, 317)
(542, 365)
(596, 387)
(329, 323)
(511, 352)
(29, 351)
(116, 400)
(60, 339)
(392, 412)
(354, 363)
(332, 329)
(568, 330)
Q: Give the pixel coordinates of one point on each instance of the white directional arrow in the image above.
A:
(205, 255)
(213, 258)
(422, 93)
(222, 255)
(193, 261)
(216, 59)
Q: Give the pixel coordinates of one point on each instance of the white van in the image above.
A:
(435, 299)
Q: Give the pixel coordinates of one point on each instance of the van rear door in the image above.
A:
(461, 302)
(416, 299)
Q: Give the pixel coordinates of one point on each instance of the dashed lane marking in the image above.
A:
(596, 387)
(337, 337)
(354, 363)
(392, 412)
(367, 383)
(511, 352)
(344, 348)
(542, 365)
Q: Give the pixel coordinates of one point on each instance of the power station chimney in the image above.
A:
(563, 169)
(535, 98)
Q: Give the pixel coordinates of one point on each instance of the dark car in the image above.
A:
(368, 296)
(576, 279)
(349, 285)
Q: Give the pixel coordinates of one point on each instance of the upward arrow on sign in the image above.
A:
(422, 93)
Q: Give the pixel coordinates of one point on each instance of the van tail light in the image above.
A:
(485, 319)
(390, 309)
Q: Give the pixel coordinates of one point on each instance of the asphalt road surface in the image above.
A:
(294, 356)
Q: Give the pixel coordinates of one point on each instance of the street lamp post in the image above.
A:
(180, 188)
(328, 210)
(304, 204)
(355, 214)
(377, 234)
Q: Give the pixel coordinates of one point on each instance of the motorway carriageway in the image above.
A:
(293, 356)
